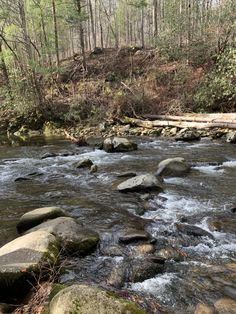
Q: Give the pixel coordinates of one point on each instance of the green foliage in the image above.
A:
(218, 90)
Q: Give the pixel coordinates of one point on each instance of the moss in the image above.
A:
(133, 309)
(56, 288)
(129, 307)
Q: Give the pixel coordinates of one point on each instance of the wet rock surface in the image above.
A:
(173, 167)
(141, 183)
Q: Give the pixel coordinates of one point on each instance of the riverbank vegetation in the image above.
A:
(86, 60)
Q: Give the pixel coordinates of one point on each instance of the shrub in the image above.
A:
(217, 92)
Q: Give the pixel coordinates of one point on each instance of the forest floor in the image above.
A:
(116, 83)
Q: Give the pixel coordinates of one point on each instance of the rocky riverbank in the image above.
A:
(125, 257)
(124, 128)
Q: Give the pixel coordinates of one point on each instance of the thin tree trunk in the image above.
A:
(3, 67)
(81, 33)
(55, 32)
(92, 23)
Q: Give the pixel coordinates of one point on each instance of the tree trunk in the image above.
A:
(81, 34)
(92, 23)
(3, 67)
(55, 32)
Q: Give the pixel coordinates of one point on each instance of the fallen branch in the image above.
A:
(231, 124)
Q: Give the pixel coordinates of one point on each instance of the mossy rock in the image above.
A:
(23, 260)
(82, 299)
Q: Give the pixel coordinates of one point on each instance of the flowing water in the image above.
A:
(203, 276)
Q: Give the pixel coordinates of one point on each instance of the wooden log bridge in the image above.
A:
(191, 120)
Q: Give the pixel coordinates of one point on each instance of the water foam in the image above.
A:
(156, 286)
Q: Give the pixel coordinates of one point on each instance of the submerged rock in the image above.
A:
(37, 216)
(141, 183)
(118, 144)
(90, 300)
(173, 167)
(73, 238)
(231, 137)
(23, 259)
(193, 230)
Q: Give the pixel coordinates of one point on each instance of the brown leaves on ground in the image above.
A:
(36, 301)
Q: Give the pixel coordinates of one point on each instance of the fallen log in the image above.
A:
(195, 117)
(180, 124)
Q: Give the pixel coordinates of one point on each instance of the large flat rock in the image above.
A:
(23, 259)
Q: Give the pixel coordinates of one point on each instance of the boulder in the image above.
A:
(173, 167)
(118, 144)
(231, 137)
(141, 183)
(37, 216)
(188, 135)
(225, 306)
(85, 163)
(23, 259)
(89, 300)
(73, 238)
(193, 230)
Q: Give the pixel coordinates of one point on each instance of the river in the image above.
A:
(208, 191)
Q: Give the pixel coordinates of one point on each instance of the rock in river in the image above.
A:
(141, 183)
(188, 135)
(118, 144)
(73, 238)
(37, 216)
(173, 167)
(133, 235)
(22, 259)
(85, 163)
(193, 230)
(89, 300)
(231, 137)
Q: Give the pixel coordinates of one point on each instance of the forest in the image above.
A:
(69, 61)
